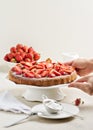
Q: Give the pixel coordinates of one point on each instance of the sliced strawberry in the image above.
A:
(24, 70)
(49, 65)
(34, 62)
(59, 63)
(17, 69)
(29, 64)
(33, 69)
(56, 72)
(62, 72)
(43, 64)
(39, 71)
(20, 66)
(29, 74)
(56, 67)
(27, 67)
(51, 74)
(37, 75)
(44, 73)
(68, 70)
(38, 66)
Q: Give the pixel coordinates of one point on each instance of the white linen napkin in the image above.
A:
(9, 102)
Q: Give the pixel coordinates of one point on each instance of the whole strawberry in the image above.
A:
(20, 53)
(78, 101)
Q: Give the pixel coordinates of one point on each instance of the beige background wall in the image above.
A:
(50, 26)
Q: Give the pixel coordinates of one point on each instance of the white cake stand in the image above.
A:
(34, 93)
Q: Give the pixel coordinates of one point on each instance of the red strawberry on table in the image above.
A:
(78, 101)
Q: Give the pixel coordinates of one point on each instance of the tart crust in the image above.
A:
(42, 82)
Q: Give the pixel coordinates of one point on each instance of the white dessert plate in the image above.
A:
(69, 110)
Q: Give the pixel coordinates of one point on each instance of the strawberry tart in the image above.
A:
(42, 74)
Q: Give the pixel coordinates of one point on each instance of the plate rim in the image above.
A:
(68, 115)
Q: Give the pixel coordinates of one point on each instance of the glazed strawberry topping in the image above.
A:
(21, 53)
(42, 69)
